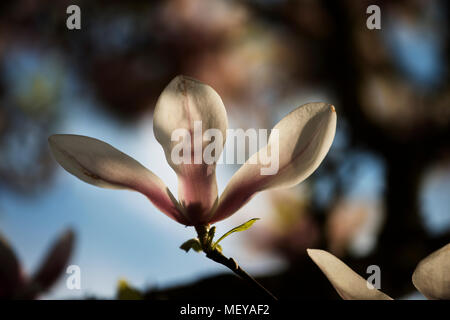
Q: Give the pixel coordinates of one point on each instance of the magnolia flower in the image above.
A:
(15, 285)
(431, 277)
(305, 136)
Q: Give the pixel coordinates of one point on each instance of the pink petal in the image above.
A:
(100, 164)
(305, 136)
(184, 103)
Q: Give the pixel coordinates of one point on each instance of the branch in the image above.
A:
(230, 263)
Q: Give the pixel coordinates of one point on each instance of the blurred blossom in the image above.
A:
(14, 284)
(290, 228)
(249, 60)
(248, 68)
(396, 105)
(214, 18)
(34, 82)
(403, 67)
(353, 194)
(221, 43)
(353, 226)
(389, 101)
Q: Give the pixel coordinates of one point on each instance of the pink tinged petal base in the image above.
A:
(348, 284)
(100, 164)
(193, 185)
(305, 136)
(182, 104)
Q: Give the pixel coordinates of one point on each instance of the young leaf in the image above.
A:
(242, 227)
(211, 234)
(193, 244)
(126, 292)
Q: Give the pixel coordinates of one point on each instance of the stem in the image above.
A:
(230, 263)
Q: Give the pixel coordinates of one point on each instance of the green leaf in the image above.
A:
(126, 292)
(240, 228)
(193, 244)
(218, 247)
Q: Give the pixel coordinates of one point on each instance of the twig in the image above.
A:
(230, 263)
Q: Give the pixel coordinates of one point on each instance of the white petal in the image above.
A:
(432, 275)
(182, 104)
(347, 283)
(305, 136)
(100, 164)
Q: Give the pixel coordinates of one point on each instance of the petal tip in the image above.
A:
(431, 277)
(69, 235)
(314, 253)
(182, 77)
(55, 138)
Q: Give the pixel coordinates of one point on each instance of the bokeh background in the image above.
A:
(382, 195)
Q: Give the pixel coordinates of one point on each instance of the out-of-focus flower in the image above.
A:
(304, 138)
(431, 276)
(34, 81)
(342, 225)
(353, 225)
(399, 107)
(127, 292)
(207, 20)
(290, 228)
(16, 285)
(388, 101)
